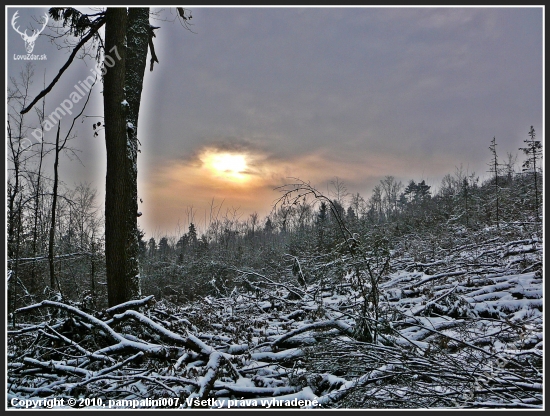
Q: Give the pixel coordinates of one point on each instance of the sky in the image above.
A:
(254, 96)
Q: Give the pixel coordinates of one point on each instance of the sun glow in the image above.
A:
(227, 165)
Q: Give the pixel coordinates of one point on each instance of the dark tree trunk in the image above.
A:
(118, 187)
(13, 193)
(54, 209)
(126, 40)
(136, 57)
(37, 214)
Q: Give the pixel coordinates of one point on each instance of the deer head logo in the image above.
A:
(29, 40)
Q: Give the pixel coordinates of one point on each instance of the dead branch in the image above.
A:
(94, 28)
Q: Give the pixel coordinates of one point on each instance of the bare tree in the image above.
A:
(37, 183)
(339, 191)
(18, 96)
(494, 167)
(391, 189)
(254, 222)
(59, 147)
(533, 149)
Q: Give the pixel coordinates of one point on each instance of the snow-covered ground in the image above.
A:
(461, 330)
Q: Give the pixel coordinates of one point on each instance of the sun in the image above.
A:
(227, 165)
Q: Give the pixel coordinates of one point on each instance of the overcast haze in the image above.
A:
(314, 93)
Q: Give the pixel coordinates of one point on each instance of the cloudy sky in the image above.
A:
(255, 95)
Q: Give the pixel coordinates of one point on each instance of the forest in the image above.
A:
(410, 297)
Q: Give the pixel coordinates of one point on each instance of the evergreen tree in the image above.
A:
(322, 215)
(423, 192)
(192, 235)
(410, 191)
(164, 248)
(152, 247)
(350, 215)
(321, 221)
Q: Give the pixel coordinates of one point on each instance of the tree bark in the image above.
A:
(117, 186)
(136, 57)
(126, 39)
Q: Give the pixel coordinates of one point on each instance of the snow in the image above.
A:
(439, 333)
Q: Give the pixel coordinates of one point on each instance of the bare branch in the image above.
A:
(93, 30)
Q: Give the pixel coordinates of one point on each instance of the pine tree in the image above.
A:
(423, 191)
(192, 235)
(152, 247)
(411, 191)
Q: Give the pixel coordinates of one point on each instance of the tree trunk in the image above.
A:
(13, 192)
(54, 209)
(136, 57)
(37, 214)
(126, 39)
(117, 186)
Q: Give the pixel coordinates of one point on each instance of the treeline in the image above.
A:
(316, 228)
